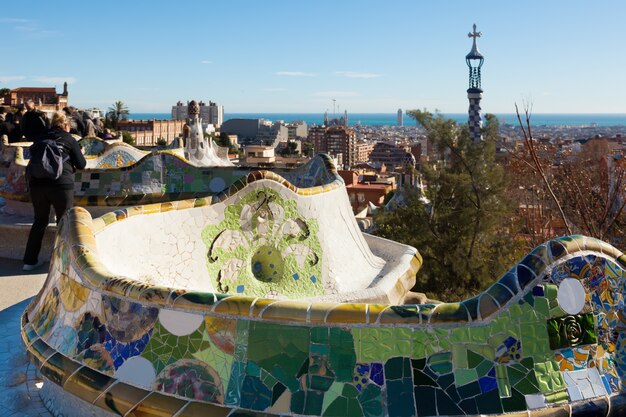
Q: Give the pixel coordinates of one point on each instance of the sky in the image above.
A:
(290, 56)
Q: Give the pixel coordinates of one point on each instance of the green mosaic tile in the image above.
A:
(515, 402)
(502, 378)
(313, 403)
(272, 348)
(321, 383)
(459, 335)
(484, 368)
(342, 354)
(478, 334)
(542, 307)
(164, 348)
(474, 359)
(465, 376)
(371, 400)
(320, 335)
(550, 291)
(459, 356)
(441, 362)
(297, 402)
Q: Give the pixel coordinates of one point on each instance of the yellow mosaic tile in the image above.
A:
(347, 313)
(286, 310)
(319, 311)
(58, 368)
(121, 398)
(157, 405)
(87, 384)
(236, 305)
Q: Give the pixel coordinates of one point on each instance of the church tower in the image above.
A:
(474, 61)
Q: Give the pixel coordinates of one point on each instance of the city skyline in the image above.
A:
(309, 57)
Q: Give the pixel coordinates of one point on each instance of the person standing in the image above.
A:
(47, 192)
(34, 122)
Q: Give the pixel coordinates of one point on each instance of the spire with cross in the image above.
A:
(474, 61)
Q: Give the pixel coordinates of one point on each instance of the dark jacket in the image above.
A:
(76, 160)
(34, 124)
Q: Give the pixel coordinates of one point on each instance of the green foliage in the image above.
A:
(128, 138)
(161, 142)
(308, 149)
(119, 111)
(290, 149)
(460, 226)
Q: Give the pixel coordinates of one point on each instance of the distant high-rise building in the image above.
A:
(474, 61)
(400, 120)
(335, 141)
(211, 114)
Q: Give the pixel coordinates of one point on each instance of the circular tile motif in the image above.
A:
(191, 378)
(137, 371)
(179, 323)
(267, 264)
(571, 296)
(217, 184)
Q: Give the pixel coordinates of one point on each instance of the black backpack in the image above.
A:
(46, 159)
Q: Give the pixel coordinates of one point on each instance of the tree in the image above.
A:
(459, 225)
(119, 111)
(308, 149)
(586, 189)
(128, 138)
(290, 149)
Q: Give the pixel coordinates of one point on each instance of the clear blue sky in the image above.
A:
(296, 56)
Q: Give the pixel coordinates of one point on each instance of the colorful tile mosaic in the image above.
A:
(548, 333)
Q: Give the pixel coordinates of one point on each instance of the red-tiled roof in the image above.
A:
(35, 90)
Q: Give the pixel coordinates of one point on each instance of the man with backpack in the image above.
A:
(55, 156)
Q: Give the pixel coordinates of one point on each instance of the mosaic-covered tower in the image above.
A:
(474, 93)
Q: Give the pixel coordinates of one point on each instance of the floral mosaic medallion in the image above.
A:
(116, 159)
(263, 248)
(47, 314)
(193, 379)
(126, 320)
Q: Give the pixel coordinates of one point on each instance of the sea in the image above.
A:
(391, 119)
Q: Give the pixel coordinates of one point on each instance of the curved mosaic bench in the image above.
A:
(101, 154)
(546, 339)
(160, 176)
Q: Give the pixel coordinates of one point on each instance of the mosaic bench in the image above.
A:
(118, 179)
(135, 320)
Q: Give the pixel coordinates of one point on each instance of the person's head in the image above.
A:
(21, 108)
(3, 110)
(30, 105)
(59, 121)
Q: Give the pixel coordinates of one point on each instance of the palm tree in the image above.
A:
(117, 112)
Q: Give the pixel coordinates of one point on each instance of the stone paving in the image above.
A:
(19, 383)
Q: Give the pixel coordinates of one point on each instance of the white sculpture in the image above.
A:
(199, 150)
